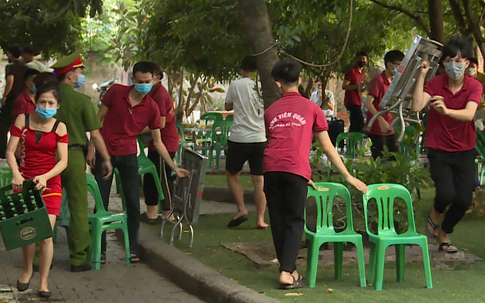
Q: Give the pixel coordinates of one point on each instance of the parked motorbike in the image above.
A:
(102, 88)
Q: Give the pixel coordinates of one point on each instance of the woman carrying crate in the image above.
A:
(41, 137)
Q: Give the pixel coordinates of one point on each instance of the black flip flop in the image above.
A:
(237, 222)
(447, 244)
(297, 283)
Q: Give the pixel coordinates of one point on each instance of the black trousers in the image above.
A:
(286, 195)
(356, 118)
(166, 178)
(128, 169)
(453, 174)
(5, 124)
(378, 143)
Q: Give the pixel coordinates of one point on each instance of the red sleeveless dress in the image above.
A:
(38, 157)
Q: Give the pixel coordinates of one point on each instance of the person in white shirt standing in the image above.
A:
(247, 141)
(329, 104)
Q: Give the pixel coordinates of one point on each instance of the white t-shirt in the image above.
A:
(248, 125)
(37, 66)
(331, 99)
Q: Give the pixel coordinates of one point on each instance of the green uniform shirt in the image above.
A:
(78, 113)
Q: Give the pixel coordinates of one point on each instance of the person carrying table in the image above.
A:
(450, 138)
(125, 112)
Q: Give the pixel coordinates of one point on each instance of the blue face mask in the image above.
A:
(34, 89)
(394, 71)
(80, 81)
(319, 90)
(143, 88)
(46, 113)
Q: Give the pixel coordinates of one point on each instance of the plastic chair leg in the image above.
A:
(381, 256)
(372, 262)
(127, 246)
(312, 264)
(338, 254)
(400, 261)
(218, 155)
(360, 258)
(96, 242)
(427, 266)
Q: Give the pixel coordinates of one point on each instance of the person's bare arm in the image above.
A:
(346, 85)
(8, 88)
(162, 151)
(373, 111)
(420, 98)
(334, 157)
(466, 114)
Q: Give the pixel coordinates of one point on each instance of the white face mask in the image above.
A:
(454, 70)
(471, 71)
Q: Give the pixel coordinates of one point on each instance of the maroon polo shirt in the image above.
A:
(377, 89)
(443, 132)
(354, 76)
(123, 122)
(23, 105)
(169, 133)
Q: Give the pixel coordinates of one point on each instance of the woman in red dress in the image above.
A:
(41, 137)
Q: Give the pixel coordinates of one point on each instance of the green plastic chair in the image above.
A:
(354, 142)
(385, 195)
(145, 166)
(324, 195)
(212, 117)
(480, 148)
(220, 134)
(5, 176)
(102, 221)
(230, 118)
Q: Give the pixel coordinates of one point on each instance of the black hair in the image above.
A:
(28, 49)
(49, 87)
(14, 49)
(157, 71)
(473, 60)
(29, 73)
(458, 44)
(393, 56)
(248, 64)
(45, 77)
(286, 71)
(143, 67)
(361, 53)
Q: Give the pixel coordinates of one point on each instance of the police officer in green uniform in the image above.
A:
(78, 113)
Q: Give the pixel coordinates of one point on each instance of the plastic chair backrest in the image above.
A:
(180, 129)
(230, 118)
(385, 195)
(212, 116)
(220, 131)
(480, 147)
(142, 147)
(325, 195)
(354, 142)
(5, 176)
(93, 188)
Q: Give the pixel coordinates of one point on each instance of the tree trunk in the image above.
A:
(435, 8)
(256, 22)
(474, 26)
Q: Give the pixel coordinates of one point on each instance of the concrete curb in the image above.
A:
(191, 275)
(223, 194)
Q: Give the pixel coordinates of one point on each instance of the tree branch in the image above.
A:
(457, 13)
(418, 19)
(474, 27)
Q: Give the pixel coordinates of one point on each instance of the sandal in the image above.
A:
(102, 260)
(430, 235)
(297, 283)
(134, 258)
(448, 249)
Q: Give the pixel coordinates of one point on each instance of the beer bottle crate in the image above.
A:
(23, 216)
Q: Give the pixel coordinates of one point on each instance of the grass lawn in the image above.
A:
(461, 284)
(221, 181)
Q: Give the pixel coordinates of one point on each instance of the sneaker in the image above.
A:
(156, 221)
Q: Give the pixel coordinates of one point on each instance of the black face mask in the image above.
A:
(360, 63)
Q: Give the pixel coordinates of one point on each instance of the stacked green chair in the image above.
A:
(385, 196)
(325, 195)
(354, 142)
(145, 166)
(102, 221)
(230, 118)
(219, 136)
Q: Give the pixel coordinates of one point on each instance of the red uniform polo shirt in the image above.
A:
(443, 132)
(377, 89)
(123, 122)
(169, 133)
(354, 76)
(23, 105)
(290, 123)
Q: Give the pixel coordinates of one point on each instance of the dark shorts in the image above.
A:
(239, 153)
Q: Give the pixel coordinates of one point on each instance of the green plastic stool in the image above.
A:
(325, 195)
(384, 195)
(102, 221)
